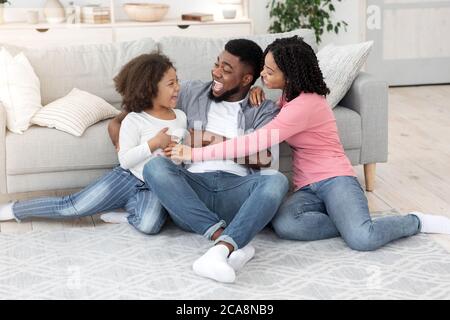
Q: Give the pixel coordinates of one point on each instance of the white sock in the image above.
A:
(213, 265)
(115, 217)
(432, 223)
(239, 258)
(6, 212)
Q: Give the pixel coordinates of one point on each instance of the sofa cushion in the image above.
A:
(48, 150)
(89, 67)
(194, 57)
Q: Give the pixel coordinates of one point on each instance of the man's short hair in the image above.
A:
(249, 52)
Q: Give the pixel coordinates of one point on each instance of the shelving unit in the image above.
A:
(44, 34)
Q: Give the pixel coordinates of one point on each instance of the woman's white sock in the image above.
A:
(433, 223)
(6, 212)
(214, 265)
(240, 257)
(115, 217)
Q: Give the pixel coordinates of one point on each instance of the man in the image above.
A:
(225, 201)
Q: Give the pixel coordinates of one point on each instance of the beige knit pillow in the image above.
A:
(340, 66)
(75, 112)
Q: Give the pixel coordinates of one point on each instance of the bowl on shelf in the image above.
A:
(146, 12)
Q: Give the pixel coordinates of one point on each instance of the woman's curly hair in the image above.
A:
(299, 64)
(138, 80)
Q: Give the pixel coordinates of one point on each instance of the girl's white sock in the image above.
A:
(115, 217)
(6, 212)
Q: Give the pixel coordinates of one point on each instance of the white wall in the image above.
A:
(349, 10)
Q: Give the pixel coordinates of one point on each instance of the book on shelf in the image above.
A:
(96, 19)
(95, 22)
(88, 9)
(197, 16)
(95, 11)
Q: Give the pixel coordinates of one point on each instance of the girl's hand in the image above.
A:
(161, 140)
(257, 96)
(181, 153)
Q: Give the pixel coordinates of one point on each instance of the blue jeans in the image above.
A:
(338, 207)
(205, 202)
(116, 189)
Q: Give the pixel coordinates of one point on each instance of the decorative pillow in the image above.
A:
(340, 66)
(75, 112)
(19, 90)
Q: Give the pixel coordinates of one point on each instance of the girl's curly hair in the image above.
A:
(138, 80)
(299, 64)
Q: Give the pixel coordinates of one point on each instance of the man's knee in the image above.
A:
(157, 167)
(276, 184)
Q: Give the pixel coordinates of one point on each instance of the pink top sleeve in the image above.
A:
(292, 119)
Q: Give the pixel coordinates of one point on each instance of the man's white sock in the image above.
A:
(433, 223)
(115, 217)
(214, 265)
(239, 258)
(6, 212)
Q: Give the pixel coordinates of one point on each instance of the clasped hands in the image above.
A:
(182, 151)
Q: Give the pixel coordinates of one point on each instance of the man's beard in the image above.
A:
(225, 96)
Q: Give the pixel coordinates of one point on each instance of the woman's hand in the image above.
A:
(179, 153)
(257, 96)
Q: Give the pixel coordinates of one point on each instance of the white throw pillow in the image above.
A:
(340, 66)
(19, 90)
(75, 112)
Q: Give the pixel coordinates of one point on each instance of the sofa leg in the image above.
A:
(369, 175)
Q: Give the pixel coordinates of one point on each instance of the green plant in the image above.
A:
(289, 15)
(4, 1)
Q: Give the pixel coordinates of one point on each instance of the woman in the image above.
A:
(328, 200)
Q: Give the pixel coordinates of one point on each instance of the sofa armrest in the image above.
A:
(3, 188)
(368, 96)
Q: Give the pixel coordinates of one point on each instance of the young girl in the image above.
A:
(328, 200)
(149, 88)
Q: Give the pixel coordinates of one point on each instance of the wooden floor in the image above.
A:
(417, 176)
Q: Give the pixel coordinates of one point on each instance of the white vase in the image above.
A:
(54, 11)
(1, 13)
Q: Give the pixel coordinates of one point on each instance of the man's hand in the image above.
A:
(198, 138)
(262, 159)
(114, 129)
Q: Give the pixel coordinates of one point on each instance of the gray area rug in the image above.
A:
(116, 262)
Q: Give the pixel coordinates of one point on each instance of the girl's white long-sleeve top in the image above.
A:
(135, 132)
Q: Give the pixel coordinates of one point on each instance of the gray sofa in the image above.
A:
(48, 159)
